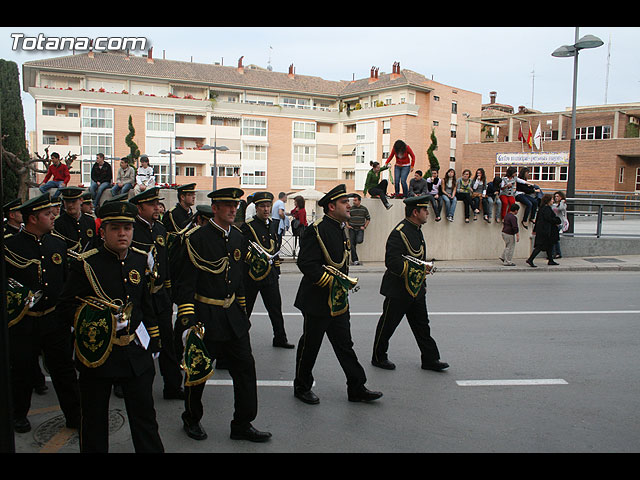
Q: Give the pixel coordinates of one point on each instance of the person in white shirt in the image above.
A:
(145, 176)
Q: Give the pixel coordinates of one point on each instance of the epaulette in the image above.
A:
(237, 228)
(192, 230)
(85, 255)
(137, 250)
(317, 222)
(400, 226)
(250, 220)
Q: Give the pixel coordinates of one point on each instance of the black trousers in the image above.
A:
(138, 399)
(239, 357)
(168, 360)
(270, 293)
(27, 340)
(338, 331)
(393, 310)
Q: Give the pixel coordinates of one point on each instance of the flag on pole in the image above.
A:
(521, 137)
(530, 138)
(537, 138)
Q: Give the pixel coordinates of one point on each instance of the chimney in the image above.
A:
(240, 66)
(373, 77)
(492, 96)
(150, 55)
(90, 54)
(396, 71)
(291, 73)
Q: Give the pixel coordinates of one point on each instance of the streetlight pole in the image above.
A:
(588, 41)
(215, 149)
(170, 152)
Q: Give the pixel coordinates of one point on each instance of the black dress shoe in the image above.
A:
(363, 395)
(551, 262)
(437, 366)
(307, 397)
(117, 391)
(41, 389)
(194, 430)
(21, 425)
(250, 434)
(530, 263)
(174, 394)
(386, 364)
(282, 344)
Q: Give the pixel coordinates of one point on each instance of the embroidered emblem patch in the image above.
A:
(134, 276)
(89, 233)
(236, 254)
(160, 240)
(56, 258)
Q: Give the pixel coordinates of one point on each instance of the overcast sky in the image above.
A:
(515, 62)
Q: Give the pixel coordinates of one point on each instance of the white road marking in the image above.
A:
(260, 383)
(534, 381)
(517, 312)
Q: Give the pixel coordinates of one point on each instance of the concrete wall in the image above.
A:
(445, 240)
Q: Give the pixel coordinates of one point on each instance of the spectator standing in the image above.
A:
(59, 174)
(376, 187)
(479, 193)
(125, 179)
(417, 185)
(510, 235)
(250, 210)
(433, 191)
(145, 177)
(101, 178)
(560, 209)
(546, 230)
(448, 191)
(405, 161)
(463, 192)
(357, 224)
(280, 219)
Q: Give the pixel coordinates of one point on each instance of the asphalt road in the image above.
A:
(540, 362)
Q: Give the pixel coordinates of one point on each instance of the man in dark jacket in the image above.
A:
(101, 179)
(404, 288)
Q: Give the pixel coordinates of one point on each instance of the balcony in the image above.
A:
(58, 123)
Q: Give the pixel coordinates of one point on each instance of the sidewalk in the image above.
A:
(609, 263)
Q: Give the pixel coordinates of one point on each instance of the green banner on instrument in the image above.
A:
(17, 303)
(338, 296)
(259, 266)
(95, 330)
(415, 278)
(196, 362)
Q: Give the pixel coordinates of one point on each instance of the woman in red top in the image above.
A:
(300, 214)
(405, 161)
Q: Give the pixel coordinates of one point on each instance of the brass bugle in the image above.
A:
(31, 299)
(337, 273)
(429, 266)
(124, 311)
(261, 250)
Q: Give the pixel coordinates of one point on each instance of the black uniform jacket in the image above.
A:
(39, 264)
(148, 237)
(101, 269)
(10, 230)
(333, 249)
(209, 288)
(405, 239)
(79, 235)
(176, 219)
(261, 232)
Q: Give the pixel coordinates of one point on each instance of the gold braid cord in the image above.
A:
(325, 252)
(200, 263)
(21, 262)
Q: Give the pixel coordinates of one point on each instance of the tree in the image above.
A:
(433, 161)
(13, 127)
(134, 151)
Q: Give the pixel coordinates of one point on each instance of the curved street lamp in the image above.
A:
(170, 152)
(588, 41)
(215, 149)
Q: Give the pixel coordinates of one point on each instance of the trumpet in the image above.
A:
(350, 281)
(257, 247)
(121, 311)
(430, 268)
(32, 298)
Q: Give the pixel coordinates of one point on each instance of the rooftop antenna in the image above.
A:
(533, 81)
(606, 82)
(269, 67)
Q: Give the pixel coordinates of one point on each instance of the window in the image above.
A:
(256, 128)
(303, 176)
(49, 139)
(190, 171)
(49, 112)
(94, 143)
(436, 98)
(256, 177)
(254, 165)
(225, 171)
(637, 179)
(162, 173)
(304, 130)
(454, 107)
(160, 122)
(97, 117)
(386, 126)
(593, 133)
(303, 166)
(293, 102)
(621, 175)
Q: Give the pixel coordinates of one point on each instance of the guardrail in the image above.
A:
(603, 207)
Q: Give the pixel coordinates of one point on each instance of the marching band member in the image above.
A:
(13, 217)
(150, 236)
(37, 261)
(323, 300)
(76, 229)
(404, 288)
(262, 268)
(210, 294)
(116, 333)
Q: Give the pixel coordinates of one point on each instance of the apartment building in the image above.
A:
(607, 145)
(273, 130)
